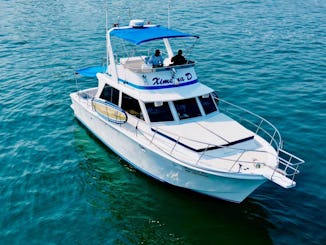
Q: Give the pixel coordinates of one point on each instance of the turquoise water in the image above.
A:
(60, 185)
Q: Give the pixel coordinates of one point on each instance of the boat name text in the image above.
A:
(161, 81)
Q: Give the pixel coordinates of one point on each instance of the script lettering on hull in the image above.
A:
(163, 81)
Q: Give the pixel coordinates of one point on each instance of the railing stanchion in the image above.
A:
(202, 154)
(258, 128)
(235, 162)
(153, 136)
(175, 145)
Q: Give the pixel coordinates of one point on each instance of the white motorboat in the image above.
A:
(170, 126)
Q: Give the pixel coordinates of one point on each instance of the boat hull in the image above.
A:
(227, 186)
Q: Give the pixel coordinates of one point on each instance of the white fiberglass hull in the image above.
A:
(228, 186)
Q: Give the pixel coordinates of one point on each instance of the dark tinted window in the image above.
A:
(187, 108)
(110, 94)
(207, 103)
(131, 106)
(159, 113)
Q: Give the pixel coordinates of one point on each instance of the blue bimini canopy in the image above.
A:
(91, 71)
(145, 34)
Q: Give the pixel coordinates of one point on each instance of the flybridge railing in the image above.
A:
(139, 65)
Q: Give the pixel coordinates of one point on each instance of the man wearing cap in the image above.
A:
(156, 59)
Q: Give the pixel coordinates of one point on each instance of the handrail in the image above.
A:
(152, 136)
(272, 136)
(289, 166)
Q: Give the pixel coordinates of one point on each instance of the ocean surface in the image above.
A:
(60, 185)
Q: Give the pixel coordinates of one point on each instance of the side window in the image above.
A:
(187, 108)
(207, 103)
(131, 105)
(159, 113)
(110, 94)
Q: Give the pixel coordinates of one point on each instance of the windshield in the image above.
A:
(159, 113)
(187, 108)
(207, 103)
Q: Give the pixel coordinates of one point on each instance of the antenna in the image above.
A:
(106, 31)
(106, 15)
(129, 13)
(169, 14)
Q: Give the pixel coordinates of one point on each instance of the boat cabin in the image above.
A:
(153, 110)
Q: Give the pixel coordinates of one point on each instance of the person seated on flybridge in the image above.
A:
(156, 59)
(178, 59)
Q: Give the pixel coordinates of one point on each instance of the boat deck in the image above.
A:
(215, 132)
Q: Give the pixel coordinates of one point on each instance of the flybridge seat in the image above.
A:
(136, 64)
(133, 60)
(139, 64)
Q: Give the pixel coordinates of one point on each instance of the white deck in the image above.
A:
(217, 131)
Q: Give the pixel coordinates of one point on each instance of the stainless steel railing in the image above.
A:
(288, 164)
(254, 122)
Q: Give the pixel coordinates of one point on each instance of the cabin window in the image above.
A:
(110, 94)
(207, 103)
(131, 105)
(187, 108)
(159, 112)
